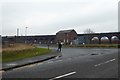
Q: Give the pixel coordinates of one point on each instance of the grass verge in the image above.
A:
(14, 55)
(95, 46)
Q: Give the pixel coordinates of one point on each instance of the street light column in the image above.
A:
(26, 34)
(26, 31)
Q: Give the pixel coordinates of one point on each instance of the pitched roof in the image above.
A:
(66, 31)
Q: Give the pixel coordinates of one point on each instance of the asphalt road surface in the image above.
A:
(73, 63)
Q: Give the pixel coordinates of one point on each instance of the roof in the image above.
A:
(66, 31)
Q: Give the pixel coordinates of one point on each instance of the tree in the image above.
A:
(88, 31)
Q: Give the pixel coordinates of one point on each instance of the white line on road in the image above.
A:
(104, 62)
(63, 75)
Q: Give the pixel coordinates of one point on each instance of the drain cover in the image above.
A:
(94, 54)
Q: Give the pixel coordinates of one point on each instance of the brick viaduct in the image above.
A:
(95, 38)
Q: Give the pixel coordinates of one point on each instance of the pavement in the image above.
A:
(15, 64)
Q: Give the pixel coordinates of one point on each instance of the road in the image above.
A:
(73, 63)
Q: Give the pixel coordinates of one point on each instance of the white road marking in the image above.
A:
(63, 75)
(104, 62)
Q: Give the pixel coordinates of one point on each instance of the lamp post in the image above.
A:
(26, 31)
(26, 34)
(17, 31)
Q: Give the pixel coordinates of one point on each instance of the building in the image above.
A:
(66, 36)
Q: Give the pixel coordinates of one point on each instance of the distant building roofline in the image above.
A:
(65, 31)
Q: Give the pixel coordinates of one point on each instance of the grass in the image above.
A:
(26, 52)
(95, 46)
(16, 46)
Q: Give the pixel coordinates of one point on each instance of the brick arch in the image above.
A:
(95, 40)
(105, 40)
(115, 39)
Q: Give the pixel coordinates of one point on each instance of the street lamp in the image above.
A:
(26, 31)
(17, 31)
(26, 34)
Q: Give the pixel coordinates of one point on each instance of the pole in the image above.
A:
(26, 31)
(17, 31)
(26, 34)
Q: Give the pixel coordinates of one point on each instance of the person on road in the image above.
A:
(48, 46)
(59, 46)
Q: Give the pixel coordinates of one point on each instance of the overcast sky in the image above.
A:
(46, 17)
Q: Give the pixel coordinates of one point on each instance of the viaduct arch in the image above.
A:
(100, 38)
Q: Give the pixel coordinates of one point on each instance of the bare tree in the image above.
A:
(88, 31)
